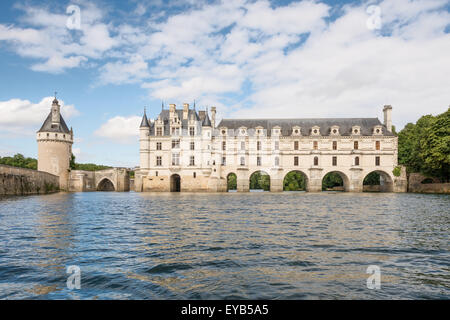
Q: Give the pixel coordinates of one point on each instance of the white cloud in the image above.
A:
(23, 117)
(120, 72)
(120, 129)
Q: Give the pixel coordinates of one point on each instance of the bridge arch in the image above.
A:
(377, 181)
(334, 180)
(295, 180)
(106, 184)
(231, 181)
(259, 180)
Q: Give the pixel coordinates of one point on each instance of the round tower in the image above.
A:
(55, 141)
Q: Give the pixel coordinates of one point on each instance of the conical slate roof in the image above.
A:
(206, 121)
(49, 127)
(144, 122)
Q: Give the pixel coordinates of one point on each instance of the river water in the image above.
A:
(225, 246)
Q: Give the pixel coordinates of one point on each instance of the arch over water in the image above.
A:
(259, 180)
(231, 181)
(335, 181)
(175, 183)
(378, 181)
(105, 185)
(295, 180)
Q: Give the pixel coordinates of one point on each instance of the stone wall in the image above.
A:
(415, 185)
(21, 181)
(85, 181)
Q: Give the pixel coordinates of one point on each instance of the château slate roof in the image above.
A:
(49, 127)
(144, 122)
(345, 125)
(206, 121)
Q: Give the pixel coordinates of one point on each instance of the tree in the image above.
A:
(425, 146)
(294, 181)
(372, 179)
(18, 160)
(331, 180)
(260, 180)
(232, 181)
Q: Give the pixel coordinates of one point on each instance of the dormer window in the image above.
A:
(377, 130)
(243, 131)
(356, 130)
(334, 130)
(276, 130)
(296, 131)
(315, 131)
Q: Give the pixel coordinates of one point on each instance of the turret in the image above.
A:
(144, 142)
(55, 141)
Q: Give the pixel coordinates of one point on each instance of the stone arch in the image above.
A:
(345, 180)
(231, 185)
(106, 184)
(261, 182)
(287, 185)
(175, 183)
(381, 181)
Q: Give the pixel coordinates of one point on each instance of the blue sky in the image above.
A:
(248, 58)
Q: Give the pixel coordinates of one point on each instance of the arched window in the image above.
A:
(316, 161)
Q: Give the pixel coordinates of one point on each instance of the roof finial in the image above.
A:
(145, 109)
(162, 105)
(56, 94)
(194, 104)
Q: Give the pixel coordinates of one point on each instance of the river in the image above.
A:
(225, 246)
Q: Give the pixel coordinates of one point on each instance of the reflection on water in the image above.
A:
(225, 246)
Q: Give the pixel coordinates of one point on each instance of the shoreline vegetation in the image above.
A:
(423, 147)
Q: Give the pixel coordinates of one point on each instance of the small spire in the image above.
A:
(194, 104)
(162, 105)
(144, 122)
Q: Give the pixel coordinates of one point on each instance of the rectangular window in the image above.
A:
(258, 161)
(192, 161)
(158, 146)
(355, 145)
(357, 161)
(377, 161)
(316, 161)
(295, 145)
(224, 161)
(377, 145)
(277, 145)
(192, 145)
(159, 161)
(224, 145)
(191, 131)
(258, 145)
(277, 161)
(334, 161)
(242, 161)
(159, 132)
(334, 145)
(175, 159)
(295, 161)
(242, 145)
(315, 145)
(175, 144)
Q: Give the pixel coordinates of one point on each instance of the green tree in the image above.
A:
(294, 181)
(232, 181)
(331, 180)
(18, 160)
(260, 180)
(372, 179)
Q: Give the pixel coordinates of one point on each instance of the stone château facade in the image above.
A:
(185, 150)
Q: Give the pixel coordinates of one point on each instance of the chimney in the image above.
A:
(213, 117)
(387, 110)
(185, 110)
